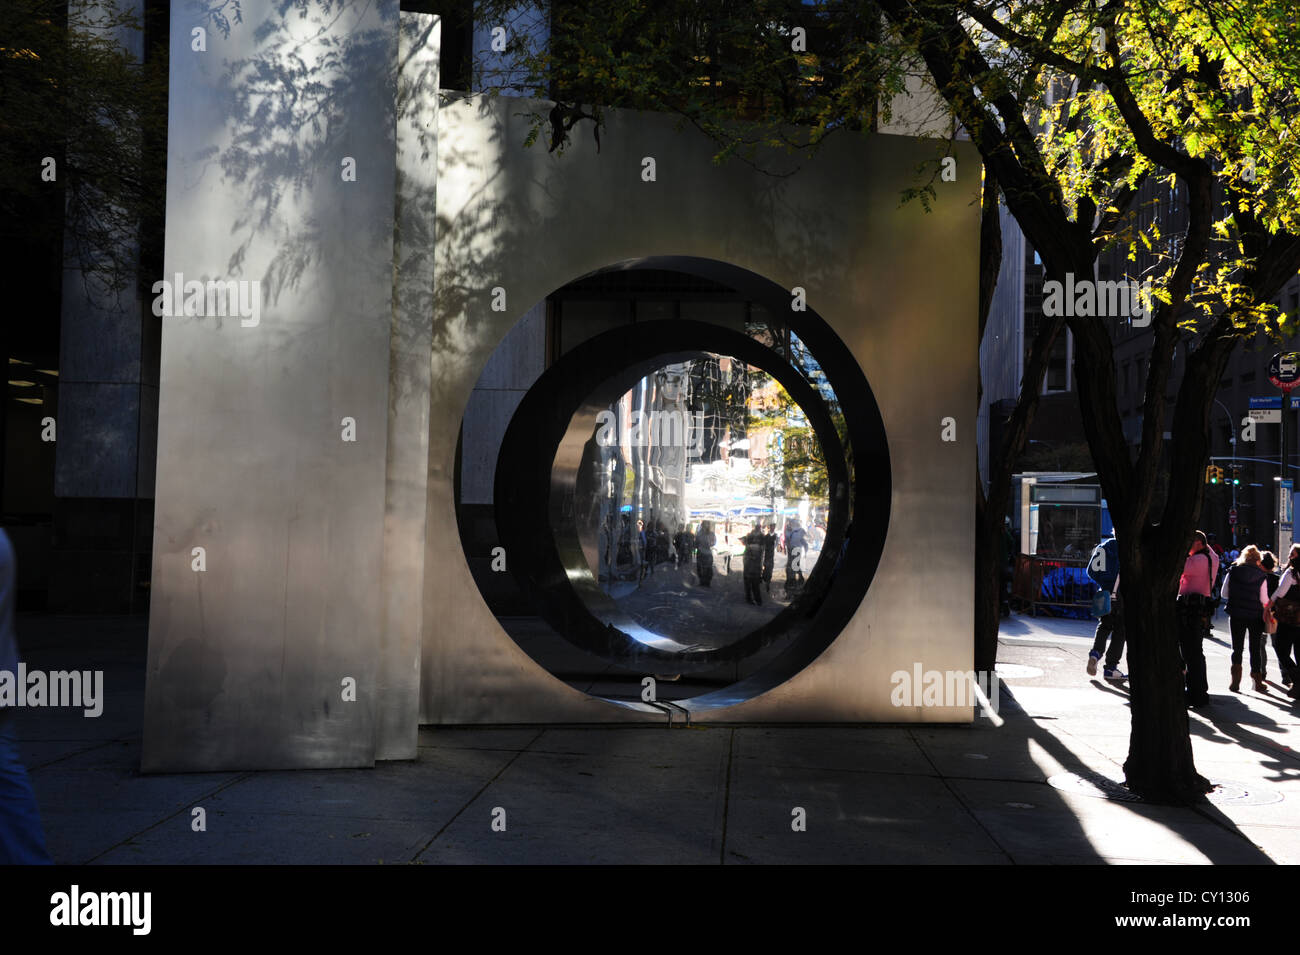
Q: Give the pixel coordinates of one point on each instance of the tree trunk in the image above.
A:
(1159, 767)
(988, 583)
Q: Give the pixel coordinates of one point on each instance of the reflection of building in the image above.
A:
(644, 447)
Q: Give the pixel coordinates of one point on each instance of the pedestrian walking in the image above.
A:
(1193, 608)
(643, 551)
(22, 840)
(1103, 569)
(704, 542)
(752, 567)
(685, 546)
(769, 556)
(1246, 590)
(1285, 603)
(796, 545)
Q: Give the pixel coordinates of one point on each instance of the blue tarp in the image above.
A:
(1069, 585)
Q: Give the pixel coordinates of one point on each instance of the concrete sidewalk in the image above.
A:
(1032, 790)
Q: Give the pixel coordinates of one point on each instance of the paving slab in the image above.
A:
(421, 792)
(870, 750)
(850, 818)
(272, 839)
(1063, 824)
(578, 809)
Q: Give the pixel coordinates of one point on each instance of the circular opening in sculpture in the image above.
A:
(744, 416)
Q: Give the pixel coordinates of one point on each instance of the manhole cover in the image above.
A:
(1106, 787)
(1016, 671)
(1092, 784)
(1238, 794)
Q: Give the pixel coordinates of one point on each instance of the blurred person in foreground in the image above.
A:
(22, 841)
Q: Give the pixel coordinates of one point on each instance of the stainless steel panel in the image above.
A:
(398, 658)
(897, 284)
(247, 659)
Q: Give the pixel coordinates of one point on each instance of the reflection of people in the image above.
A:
(796, 544)
(626, 558)
(704, 542)
(752, 566)
(641, 555)
(769, 555)
(685, 545)
(22, 842)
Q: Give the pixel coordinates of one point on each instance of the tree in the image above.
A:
(1199, 96)
(83, 122)
(1078, 110)
(798, 468)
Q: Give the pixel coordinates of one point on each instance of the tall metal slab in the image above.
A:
(398, 658)
(268, 603)
(897, 284)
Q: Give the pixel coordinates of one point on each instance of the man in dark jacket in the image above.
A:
(1103, 568)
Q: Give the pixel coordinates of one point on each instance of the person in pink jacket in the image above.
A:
(1194, 603)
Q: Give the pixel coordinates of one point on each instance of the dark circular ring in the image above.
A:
(539, 473)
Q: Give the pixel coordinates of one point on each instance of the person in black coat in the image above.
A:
(769, 556)
(1245, 588)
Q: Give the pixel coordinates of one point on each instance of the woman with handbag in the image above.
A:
(1286, 607)
(1246, 591)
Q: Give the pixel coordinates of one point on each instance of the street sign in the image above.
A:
(1285, 516)
(1232, 515)
(1265, 415)
(1284, 370)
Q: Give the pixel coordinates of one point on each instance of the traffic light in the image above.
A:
(1213, 474)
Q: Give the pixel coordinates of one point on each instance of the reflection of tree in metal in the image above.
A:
(719, 404)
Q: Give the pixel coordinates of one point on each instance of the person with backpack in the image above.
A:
(1246, 591)
(1194, 606)
(1103, 569)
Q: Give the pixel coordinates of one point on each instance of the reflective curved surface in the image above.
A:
(698, 500)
